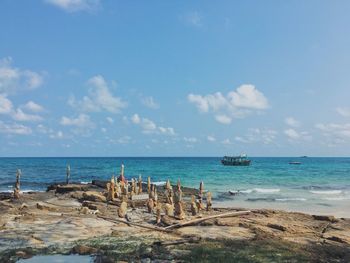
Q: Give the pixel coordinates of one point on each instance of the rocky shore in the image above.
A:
(83, 219)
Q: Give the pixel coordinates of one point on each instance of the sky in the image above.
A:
(174, 78)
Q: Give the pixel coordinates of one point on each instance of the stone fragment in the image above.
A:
(122, 209)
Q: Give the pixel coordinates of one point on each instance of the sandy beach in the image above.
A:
(77, 219)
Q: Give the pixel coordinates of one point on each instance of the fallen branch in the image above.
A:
(118, 220)
(199, 220)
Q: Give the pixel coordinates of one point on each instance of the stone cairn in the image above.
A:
(194, 209)
(169, 203)
(68, 174)
(200, 205)
(209, 204)
(16, 191)
(140, 185)
(150, 202)
(179, 212)
(148, 184)
(111, 190)
(158, 213)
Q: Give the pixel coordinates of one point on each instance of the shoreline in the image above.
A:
(76, 219)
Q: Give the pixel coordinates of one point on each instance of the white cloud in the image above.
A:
(135, 119)
(82, 120)
(167, 130)
(150, 103)
(6, 105)
(99, 98)
(211, 138)
(193, 19)
(256, 135)
(345, 112)
(290, 121)
(294, 135)
(32, 106)
(226, 142)
(57, 135)
(103, 130)
(335, 130)
(224, 119)
(236, 104)
(110, 120)
(19, 115)
(14, 128)
(75, 5)
(190, 139)
(124, 140)
(13, 79)
(149, 127)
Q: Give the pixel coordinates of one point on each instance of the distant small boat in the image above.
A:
(294, 162)
(241, 160)
(304, 156)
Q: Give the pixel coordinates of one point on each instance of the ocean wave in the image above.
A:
(290, 199)
(327, 192)
(159, 183)
(336, 198)
(83, 182)
(266, 190)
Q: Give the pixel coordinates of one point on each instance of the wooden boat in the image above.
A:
(240, 160)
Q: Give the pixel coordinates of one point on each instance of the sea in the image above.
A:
(316, 186)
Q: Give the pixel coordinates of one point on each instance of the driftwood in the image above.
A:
(117, 220)
(199, 220)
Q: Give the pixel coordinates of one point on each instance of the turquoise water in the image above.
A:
(318, 184)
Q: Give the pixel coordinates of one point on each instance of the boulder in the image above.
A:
(94, 196)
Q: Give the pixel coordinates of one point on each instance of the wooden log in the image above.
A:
(199, 220)
(117, 220)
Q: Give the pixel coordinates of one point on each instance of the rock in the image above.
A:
(169, 209)
(62, 189)
(325, 218)
(150, 205)
(84, 210)
(84, 250)
(122, 209)
(278, 227)
(336, 239)
(45, 207)
(23, 254)
(94, 196)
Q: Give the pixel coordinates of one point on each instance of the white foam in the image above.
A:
(248, 191)
(159, 183)
(290, 199)
(336, 198)
(266, 190)
(82, 182)
(327, 192)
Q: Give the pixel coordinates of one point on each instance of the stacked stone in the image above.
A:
(68, 174)
(194, 209)
(16, 191)
(209, 203)
(169, 203)
(200, 205)
(140, 185)
(179, 212)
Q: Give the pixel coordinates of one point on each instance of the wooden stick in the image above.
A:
(198, 220)
(115, 220)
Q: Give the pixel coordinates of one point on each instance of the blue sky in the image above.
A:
(174, 78)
